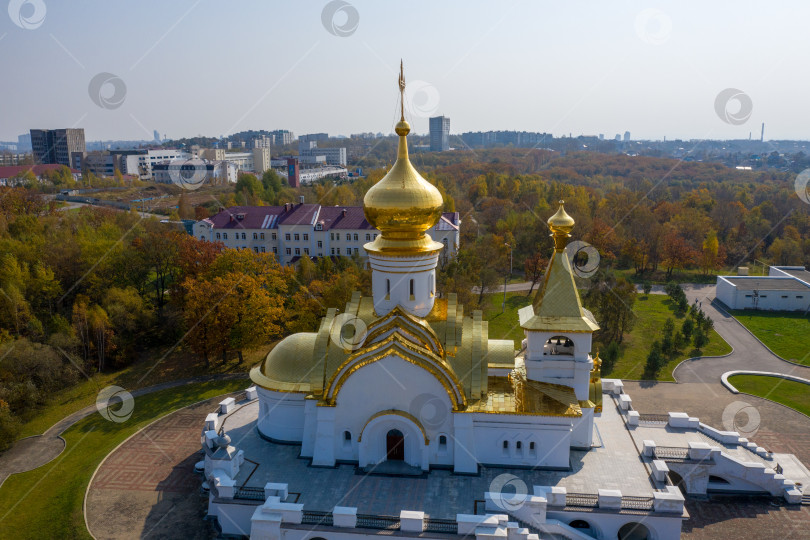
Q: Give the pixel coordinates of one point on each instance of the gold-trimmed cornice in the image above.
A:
(396, 345)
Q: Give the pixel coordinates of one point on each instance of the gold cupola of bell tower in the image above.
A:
(561, 225)
(403, 205)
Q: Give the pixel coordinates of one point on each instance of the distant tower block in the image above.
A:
(762, 134)
(293, 176)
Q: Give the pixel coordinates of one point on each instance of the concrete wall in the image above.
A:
(736, 297)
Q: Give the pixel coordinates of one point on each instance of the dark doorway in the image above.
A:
(677, 481)
(395, 445)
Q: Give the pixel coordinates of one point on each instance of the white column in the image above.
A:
(324, 451)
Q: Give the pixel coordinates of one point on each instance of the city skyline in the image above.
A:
(654, 70)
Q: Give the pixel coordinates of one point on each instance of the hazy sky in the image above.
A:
(214, 68)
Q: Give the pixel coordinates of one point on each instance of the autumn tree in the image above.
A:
(677, 253)
(612, 300)
(709, 259)
(534, 267)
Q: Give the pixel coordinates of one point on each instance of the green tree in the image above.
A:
(609, 358)
(655, 361)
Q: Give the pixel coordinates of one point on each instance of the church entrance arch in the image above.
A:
(395, 445)
(393, 435)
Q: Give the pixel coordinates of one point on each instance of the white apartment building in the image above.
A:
(194, 171)
(256, 161)
(294, 230)
(142, 163)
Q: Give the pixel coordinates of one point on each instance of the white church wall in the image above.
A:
(281, 415)
(582, 431)
(608, 525)
(526, 441)
(391, 383)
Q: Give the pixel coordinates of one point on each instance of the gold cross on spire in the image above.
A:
(401, 91)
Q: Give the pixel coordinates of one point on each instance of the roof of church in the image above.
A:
(455, 348)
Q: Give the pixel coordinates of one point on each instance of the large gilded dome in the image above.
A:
(403, 205)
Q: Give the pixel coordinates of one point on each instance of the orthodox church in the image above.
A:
(404, 376)
(404, 385)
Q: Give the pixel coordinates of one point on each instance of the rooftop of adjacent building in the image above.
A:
(770, 283)
(330, 217)
(613, 463)
(14, 170)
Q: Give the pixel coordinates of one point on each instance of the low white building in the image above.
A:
(785, 288)
(194, 171)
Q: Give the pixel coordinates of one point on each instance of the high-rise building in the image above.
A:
(24, 142)
(55, 146)
(156, 134)
(439, 134)
(626, 136)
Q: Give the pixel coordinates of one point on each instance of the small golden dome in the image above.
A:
(403, 205)
(561, 225)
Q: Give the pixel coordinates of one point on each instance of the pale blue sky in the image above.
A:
(214, 68)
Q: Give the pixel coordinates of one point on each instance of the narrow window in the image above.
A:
(411, 283)
(255, 236)
(531, 446)
(261, 235)
(442, 440)
(347, 436)
(387, 287)
(506, 445)
(217, 235)
(306, 237)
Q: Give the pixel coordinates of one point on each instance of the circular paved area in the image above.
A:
(147, 487)
(32, 452)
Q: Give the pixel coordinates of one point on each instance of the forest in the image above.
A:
(94, 289)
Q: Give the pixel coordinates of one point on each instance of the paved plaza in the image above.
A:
(614, 464)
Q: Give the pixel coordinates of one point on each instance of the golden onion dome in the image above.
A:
(561, 225)
(403, 205)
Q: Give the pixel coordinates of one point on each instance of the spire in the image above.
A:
(401, 91)
(403, 205)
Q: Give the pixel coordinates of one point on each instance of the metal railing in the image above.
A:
(249, 493)
(589, 500)
(653, 418)
(671, 452)
(312, 517)
(637, 503)
(369, 521)
(437, 525)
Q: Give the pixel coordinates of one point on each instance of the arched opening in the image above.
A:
(395, 445)
(582, 525)
(717, 480)
(634, 531)
(559, 345)
(677, 481)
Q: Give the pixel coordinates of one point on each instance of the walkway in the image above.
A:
(32, 452)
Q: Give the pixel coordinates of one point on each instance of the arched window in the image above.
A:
(531, 445)
(559, 345)
(506, 445)
(518, 445)
(442, 440)
(347, 436)
(579, 524)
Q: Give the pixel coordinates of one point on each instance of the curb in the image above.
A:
(724, 378)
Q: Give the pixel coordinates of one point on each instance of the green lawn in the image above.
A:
(786, 333)
(47, 502)
(659, 277)
(794, 394)
(505, 325)
(651, 313)
(178, 365)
